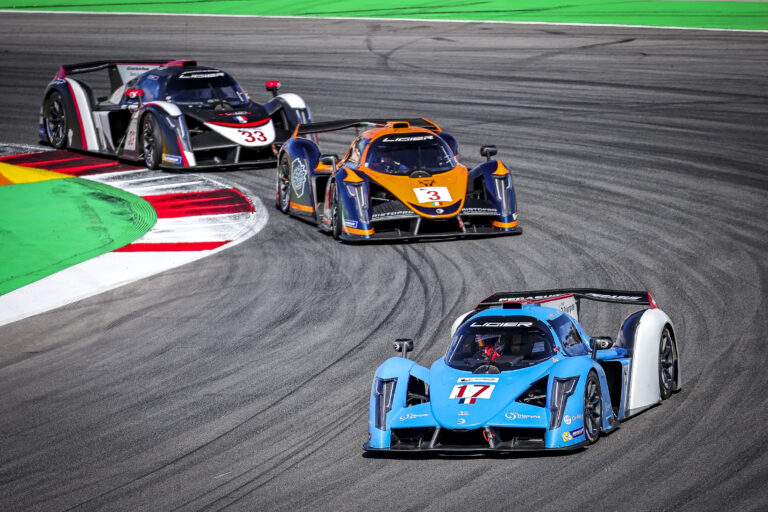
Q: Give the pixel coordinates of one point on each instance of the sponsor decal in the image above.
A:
(470, 393)
(439, 211)
(431, 194)
(152, 77)
(615, 297)
(201, 74)
(407, 139)
(411, 416)
(518, 416)
(402, 213)
(350, 223)
(298, 176)
(479, 210)
(173, 159)
(461, 421)
(234, 114)
(426, 183)
(569, 419)
(241, 119)
(463, 413)
(478, 379)
(573, 434)
(501, 324)
(130, 141)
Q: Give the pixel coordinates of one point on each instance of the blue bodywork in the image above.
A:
(419, 413)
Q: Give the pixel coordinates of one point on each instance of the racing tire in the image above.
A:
(56, 120)
(667, 364)
(593, 409)
(151, 141)
(283, 187)
(335, 214)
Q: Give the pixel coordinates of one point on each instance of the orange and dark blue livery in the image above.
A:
(398, 179)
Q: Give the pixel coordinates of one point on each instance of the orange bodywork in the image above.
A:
(404, 187)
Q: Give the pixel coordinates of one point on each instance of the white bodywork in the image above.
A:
(293, 100)
(83, 106)
(249, 137)
(644, 375)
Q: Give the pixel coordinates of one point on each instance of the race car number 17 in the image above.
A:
(432, 194)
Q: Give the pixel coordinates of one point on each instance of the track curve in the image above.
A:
(241, 382)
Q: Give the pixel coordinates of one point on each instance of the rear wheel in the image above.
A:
(151, 141)
(335, 214)
(283, 192)
(593, 409)
(56, 120)
(667, 364)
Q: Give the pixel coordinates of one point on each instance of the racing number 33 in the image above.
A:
(431, 194)
(253, 136)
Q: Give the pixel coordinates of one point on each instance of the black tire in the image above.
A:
(593, 409)
(667, 364)
(151, 141)
(283, 190)
(56, 120)
(335, 214)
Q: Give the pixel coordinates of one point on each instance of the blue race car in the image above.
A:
(521, 373)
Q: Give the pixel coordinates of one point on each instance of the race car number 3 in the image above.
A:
(253, 136)
(432, 194)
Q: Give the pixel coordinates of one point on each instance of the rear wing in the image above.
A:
(342, 124)
(567, 300)
(120, 71)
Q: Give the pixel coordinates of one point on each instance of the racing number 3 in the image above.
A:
(254, 136)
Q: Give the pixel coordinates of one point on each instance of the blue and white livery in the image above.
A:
(521, 373)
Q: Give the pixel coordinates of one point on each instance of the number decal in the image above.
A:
(253, 136)
(432, 194)
(469, 393)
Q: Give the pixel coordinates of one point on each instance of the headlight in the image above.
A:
(561, 390)
(383, 391)
(502, 187)
(361, 202)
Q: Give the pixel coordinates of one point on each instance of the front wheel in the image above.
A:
(283, 192)
(56, 120)
(151, 141)
(667, 364)
(593, 409)
(335, 214)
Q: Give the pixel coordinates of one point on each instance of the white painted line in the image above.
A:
(204, 228)
(352, 18)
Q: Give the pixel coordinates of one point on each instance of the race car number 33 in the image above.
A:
(432, 194)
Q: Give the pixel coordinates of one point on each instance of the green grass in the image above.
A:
(706, 14)
(51, 225)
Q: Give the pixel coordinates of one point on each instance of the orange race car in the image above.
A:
(398, 180)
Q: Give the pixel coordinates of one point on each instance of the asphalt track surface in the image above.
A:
(241, 381)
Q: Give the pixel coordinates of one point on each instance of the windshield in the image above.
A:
(496, 344)
(403, 154)
(205, 88)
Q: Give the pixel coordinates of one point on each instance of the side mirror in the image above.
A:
(273, 86)
(134, 94)
(602, 342)
(403, 345)
(329, 160)
(488, 151)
